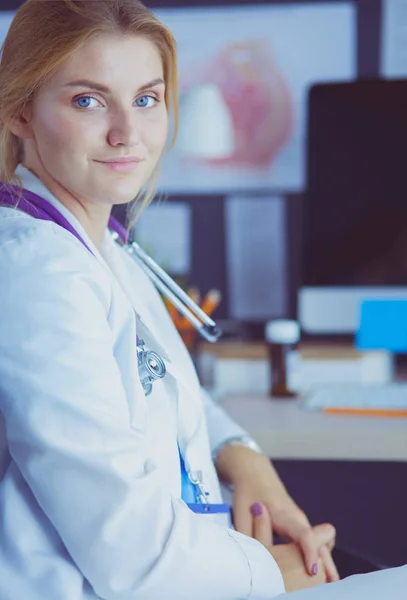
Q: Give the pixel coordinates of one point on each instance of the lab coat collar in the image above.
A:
(108, 255)
(34, 184)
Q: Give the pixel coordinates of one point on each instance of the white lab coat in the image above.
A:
(89, 475)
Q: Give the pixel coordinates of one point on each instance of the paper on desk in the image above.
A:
(256, 257)
(367, 398)
(394, 39)
(164, 231)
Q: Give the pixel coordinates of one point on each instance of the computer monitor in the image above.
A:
(355, 207)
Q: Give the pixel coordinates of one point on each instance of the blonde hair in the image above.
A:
(43, 34)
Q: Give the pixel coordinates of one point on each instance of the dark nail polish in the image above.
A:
(256, 509)
(314, 569)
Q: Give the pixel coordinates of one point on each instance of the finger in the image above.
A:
(312, 540)
(287, 526)
(331, 545)
(242, 517)
(331, 571)
(262, 530)
(324, 534)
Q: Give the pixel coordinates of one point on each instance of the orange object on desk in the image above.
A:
(367, 412)
(183, 325)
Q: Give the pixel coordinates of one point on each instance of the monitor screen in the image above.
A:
(355, 210)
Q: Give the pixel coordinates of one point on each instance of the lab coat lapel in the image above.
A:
(146, 327)
(190, 412)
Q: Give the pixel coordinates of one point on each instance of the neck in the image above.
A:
(92, 216)
(94, 222)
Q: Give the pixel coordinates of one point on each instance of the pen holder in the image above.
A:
(187, 331)
(190, 338)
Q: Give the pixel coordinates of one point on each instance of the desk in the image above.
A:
(350, 471)
(284, 430)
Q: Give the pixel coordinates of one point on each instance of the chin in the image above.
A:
(120, 193)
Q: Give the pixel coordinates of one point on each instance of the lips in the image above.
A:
(121, 159)
(124, 165)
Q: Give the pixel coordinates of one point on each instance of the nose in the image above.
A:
(124, 128)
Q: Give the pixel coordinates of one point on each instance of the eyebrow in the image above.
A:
(103, 88)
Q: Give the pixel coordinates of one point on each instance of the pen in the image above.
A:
(211, 301)
(195, 296)
(172, 310)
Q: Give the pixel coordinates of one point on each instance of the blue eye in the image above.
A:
(84, 101)
(146, 101)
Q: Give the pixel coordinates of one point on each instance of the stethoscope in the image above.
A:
(166, 285)
(150, 365)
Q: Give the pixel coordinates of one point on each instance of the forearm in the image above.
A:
(236, 464)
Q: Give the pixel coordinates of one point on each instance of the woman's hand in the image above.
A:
(289, 557)
(261, 504)
(291, 564)
(315, 543)
(323, 569)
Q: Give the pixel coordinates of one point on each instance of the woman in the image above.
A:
(91, 496)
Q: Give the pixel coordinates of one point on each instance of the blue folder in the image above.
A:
(383, 326)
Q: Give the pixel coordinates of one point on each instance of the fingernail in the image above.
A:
(256, 509)
(314, 569)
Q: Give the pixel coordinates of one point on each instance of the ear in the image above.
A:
(21, 127)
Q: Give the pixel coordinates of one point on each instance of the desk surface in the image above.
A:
(284, 430)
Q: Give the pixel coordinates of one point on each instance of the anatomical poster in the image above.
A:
(245, 72)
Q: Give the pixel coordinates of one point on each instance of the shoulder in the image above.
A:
(18, 229)
(40, 253)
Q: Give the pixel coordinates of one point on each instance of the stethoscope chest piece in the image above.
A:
(150, 366)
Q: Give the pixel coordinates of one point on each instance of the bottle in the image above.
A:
(281, 336)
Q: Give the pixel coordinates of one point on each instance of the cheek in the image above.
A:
(57, 133)
(156, 132)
